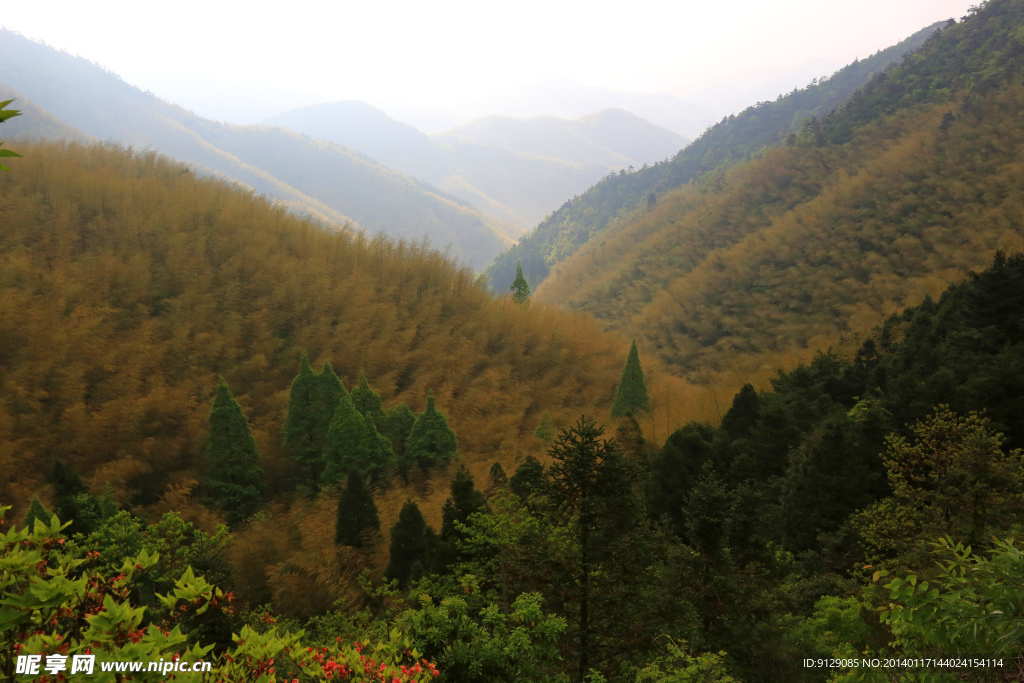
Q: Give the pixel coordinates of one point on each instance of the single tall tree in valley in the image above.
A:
(520, 287)
(431, 441)
(631, 394)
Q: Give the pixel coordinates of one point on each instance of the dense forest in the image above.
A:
(301, 453)
(736, 138)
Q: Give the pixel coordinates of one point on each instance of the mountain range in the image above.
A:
(517, 170)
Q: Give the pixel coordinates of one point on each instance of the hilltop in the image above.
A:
(325, 180)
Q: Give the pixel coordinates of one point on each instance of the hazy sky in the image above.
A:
(447, 53)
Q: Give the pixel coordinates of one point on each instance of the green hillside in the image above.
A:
(619, 196)
(323, 179)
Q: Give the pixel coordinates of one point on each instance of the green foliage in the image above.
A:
(366, 400)
(674, 471)
(398, 424)
(498, 477)
(36, 511)
(953, 479)
(300, 433)
(528, 479)
(347, 444)
(357, 514)
(4, 115)
(431, 442)
(631, 393)
(481, 645)
(679, 666)
(520, 288)
(545, 429)
(464, 501)
(411, 539)
(234, 480)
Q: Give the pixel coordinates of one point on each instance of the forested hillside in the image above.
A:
(620, 196)
(753, 267)
(323, 179)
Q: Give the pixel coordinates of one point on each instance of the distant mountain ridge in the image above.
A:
(733, 139)
(517, 170)
(323, 179)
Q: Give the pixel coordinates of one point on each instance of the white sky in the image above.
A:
(446, 53)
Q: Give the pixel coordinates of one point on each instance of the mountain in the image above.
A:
(733, 139)
(516, 170)
(329, 181)
(910, 185)
(565, 98)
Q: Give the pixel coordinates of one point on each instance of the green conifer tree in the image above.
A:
(397, 426)
(299, 424)
(528, 479)
(520, 287)
(367, 401)
(410, 541)
(463, 502)
(234, 481)
(347, 444)
(498, 477)
(380, 451)
(545, 428)
(631, 394)
(431, 442)
(357, 514)
(36, 510)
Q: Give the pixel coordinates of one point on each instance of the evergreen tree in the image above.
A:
(520, 287)
(431, 442)
(631, 394)
(347, 444)
(367, 401)
(546, 428)
(299, 424)
(397, 426)
(592, 490)
(357, 514)
(463, 501)
(498, 477)
(631, 441)
(234, 481)
(410, 540)
(674, 471)
(741, 418)
(36, 510)
(529, 479)
(380, 451)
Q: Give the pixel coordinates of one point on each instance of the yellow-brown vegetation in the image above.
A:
(127, 284)
(756, 268)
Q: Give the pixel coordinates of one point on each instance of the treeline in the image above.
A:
(620, 196)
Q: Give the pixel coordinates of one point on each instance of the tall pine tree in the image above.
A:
(347, 444)
(431, 442)
(631, 394)
(463, 501)
(367, 401)
(234, 481)
(520, 287)
(299, 424)
(410, 541)
(357, 514)
(37, 511)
